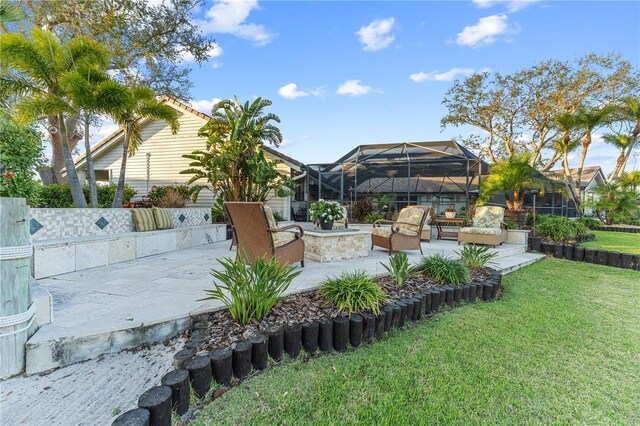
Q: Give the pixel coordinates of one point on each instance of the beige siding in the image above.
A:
(165, 160)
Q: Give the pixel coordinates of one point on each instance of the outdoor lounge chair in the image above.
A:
(258, 235)
(488, 223)
(404, 233)
(425, 235)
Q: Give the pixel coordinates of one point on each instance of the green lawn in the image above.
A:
(616, 241)
(562, 347)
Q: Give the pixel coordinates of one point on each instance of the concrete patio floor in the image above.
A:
(110, 308)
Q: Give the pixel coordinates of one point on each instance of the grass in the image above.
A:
(615, 241)
(562, 346)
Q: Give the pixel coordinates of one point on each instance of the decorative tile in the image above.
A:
(34, 226)
(102, 222)
(181, 218)
(206, 217)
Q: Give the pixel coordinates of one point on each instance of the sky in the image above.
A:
(342, 74)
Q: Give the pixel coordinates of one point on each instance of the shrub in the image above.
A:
(511, 224)
(361, 209)
(323, 210)
(354, 292)
(476, 257)
(59, 196)
(446, 271)
(589, 221)
(218, 212)
(169, 196)
(559, 228)
(399, 268)
(250, 291)
(278, 216)
(373, 217)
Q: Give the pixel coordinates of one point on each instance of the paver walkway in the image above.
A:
(156, 288)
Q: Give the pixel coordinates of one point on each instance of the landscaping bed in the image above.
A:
(219, 329)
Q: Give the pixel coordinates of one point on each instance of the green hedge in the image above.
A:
(59, 196)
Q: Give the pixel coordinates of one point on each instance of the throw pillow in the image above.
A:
(163, 218)
(144, 220)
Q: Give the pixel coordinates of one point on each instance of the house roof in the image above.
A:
(114, 137)
(588, 174)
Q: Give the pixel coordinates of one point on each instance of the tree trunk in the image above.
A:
(117, 198)
(583, 156)
(58, 161)
(72, 176)
(91, 174)
(634, 138)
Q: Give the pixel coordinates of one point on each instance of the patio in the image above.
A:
(110, 308)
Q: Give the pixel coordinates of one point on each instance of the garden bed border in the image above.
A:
(332, 335)
(627, 229)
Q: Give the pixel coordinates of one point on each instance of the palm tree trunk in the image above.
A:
(583, 156)
(91, 174)
(117, 198)
(634, 138)
(72, 175)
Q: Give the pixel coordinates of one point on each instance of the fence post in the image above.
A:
(16, 310)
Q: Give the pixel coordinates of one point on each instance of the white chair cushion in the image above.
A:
(480, 231)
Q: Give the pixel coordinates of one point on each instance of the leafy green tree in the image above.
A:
(20, 156)
(511, 178)
(42, 71)
(234, 164)
(140, 103)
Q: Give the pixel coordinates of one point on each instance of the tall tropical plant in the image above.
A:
(624, 143)
(629, 112)
(140, 103)
(9, 12)
(511, 178)
(36, 69)
(614, 200)
(588, 120)
(234, 164)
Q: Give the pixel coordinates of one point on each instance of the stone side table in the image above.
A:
(340, 244)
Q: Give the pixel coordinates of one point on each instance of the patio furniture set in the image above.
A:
(256, 234)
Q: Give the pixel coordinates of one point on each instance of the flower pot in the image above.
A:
(326, 225)
(534, 243)
(450, 215)
(517, 216)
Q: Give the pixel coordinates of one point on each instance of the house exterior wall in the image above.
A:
(159, 160)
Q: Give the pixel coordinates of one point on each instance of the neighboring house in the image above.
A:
(591, 178)
(159, 159)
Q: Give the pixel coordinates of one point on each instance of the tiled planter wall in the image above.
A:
(58, 224)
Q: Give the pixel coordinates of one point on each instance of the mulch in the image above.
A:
(219, 329)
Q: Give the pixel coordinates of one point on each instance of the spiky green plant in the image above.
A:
(250, 291)
(354, 292)
(446, 271)
(398, 268)
(476, 257)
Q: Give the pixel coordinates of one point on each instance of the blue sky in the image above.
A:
(342, 74)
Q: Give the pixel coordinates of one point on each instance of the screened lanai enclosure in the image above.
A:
(391, 176)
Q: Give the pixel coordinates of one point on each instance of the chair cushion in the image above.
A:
(144, 220)
(382, 232)
(410, 218)
(163, 218)
(488, 217)
(480, 231)
(271, 220)
(282, 238)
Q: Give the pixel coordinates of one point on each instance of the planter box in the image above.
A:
(517, 236)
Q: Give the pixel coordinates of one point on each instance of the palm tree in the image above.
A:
(631, 180)
(631, 112)
(9, 13)
(235, 164)
(588, 120)
(141, 103)
(35, 69)
(568, 123)
(624, 143)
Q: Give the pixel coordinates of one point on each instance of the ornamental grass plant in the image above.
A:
(476, 257)
(354, 292)
(447, 271)
(398, 268)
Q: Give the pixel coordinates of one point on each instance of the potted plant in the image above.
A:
(450, 213)
(511, 178)
(325, 213)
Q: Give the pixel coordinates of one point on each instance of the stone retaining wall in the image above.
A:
(58, 224)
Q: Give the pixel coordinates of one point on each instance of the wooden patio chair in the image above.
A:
(425, 235)
(258, 235)
(488, 227)
(403, 234)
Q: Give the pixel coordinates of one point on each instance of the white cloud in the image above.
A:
(215, 52)
(485, 31)
(285, 143)
(291, 91)
(229, 16)
(377, 35)
(441, 76)
(511, 5)
(353, 88)
(204, 105)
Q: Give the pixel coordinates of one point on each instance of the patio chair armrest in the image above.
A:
(298, 234)
(382, 222)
